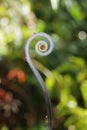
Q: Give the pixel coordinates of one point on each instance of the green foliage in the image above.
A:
(64, 71)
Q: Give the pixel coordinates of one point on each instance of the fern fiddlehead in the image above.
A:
(43, 48)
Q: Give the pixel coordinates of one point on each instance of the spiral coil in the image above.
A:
(43, 48)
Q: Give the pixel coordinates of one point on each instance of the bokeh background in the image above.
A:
(22, 105)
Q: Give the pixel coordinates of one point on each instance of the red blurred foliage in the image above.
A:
(2, 94)
(16, 73)
(5, 96)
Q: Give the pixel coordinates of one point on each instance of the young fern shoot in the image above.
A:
(43, 48)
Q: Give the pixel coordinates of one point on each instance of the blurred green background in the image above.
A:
(22, 105)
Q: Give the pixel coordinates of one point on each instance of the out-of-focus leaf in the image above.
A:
(82, 76)
(3, 11)
(74, 9)
(83, 88)
(78, 119)
(77, 61)
(4, 128)
(54, 82)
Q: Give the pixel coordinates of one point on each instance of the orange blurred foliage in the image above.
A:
(17, 73)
